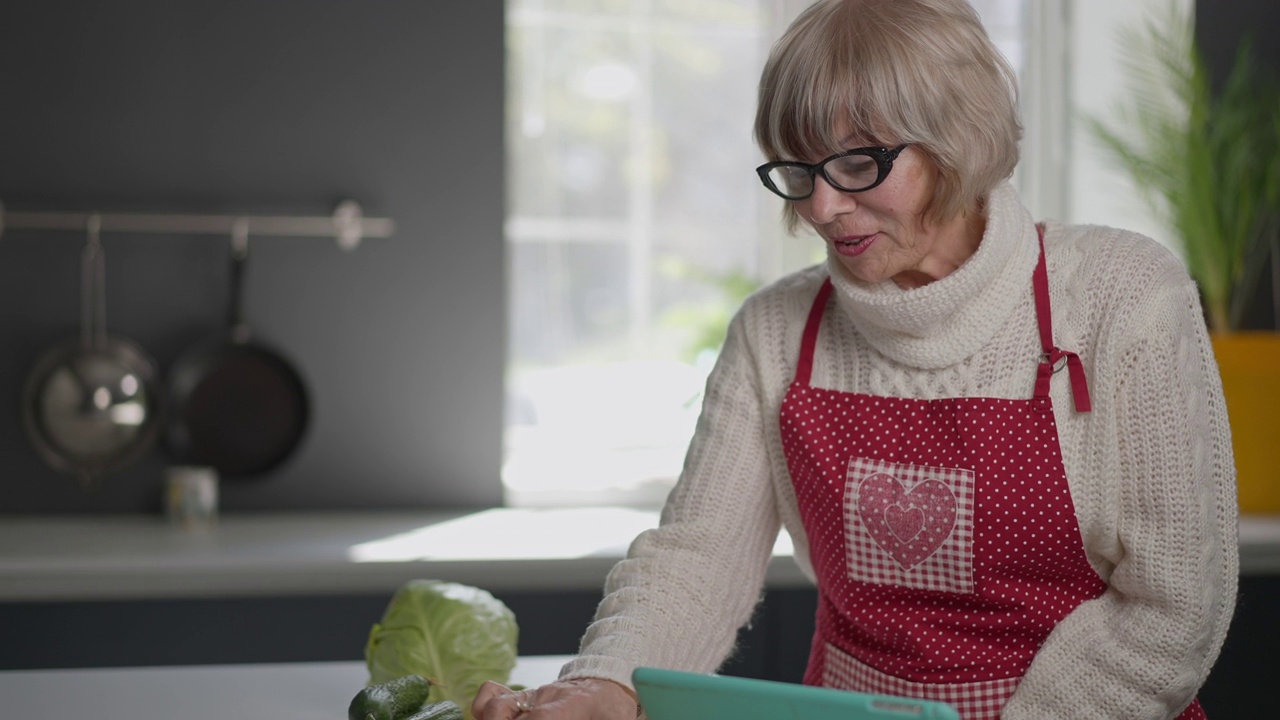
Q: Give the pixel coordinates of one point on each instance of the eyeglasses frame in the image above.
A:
(883, 156)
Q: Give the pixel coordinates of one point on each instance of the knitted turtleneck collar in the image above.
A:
(946, 321)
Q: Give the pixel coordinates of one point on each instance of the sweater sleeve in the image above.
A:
(1144, 647)
(685, 588)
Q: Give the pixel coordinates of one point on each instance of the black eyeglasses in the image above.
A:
(850, 171)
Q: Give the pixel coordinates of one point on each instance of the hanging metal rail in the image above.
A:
(347, 225)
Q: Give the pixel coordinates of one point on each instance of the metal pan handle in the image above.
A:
(236, 322)
(93, 288)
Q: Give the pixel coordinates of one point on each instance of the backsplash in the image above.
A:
(270, 108)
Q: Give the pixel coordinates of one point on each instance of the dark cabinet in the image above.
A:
(774, 645)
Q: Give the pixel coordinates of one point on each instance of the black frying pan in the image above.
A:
(235, 404)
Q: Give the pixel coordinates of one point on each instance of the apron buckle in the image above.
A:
(1056, 358)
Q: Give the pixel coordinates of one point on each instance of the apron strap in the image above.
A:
(804, 366)
(1054, 357)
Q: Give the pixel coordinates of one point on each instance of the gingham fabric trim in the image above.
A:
(973, 700)
(896, 517)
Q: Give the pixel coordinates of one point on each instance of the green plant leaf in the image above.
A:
(1208, 165)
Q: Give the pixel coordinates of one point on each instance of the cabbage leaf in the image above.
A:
(457, 636)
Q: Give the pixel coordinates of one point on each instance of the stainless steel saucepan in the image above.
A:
(91, 405)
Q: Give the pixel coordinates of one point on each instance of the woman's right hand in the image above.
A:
(578, 699)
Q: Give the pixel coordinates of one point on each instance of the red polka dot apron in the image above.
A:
(942, 532)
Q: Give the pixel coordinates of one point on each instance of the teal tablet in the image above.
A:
(674, 695)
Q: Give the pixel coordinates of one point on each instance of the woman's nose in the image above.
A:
(827, 202)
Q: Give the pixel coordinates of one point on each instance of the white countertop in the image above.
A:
(285, 691)
(130, 557)
(124, 557)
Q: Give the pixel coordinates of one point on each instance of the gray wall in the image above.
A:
(1221, 25)
(271, 106)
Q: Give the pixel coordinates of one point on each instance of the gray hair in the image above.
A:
(919, 72)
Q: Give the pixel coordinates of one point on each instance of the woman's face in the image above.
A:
(881, 233)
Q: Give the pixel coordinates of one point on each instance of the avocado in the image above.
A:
(392, 700)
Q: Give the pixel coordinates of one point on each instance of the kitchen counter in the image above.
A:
(279, 691)
(257, 554)
(137, 557)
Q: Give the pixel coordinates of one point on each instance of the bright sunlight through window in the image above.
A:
(635, 226)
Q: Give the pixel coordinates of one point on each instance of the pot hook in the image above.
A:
(93, 290)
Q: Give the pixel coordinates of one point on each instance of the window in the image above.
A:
(635, 226)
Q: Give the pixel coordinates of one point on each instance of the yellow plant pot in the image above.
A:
(1250, 367)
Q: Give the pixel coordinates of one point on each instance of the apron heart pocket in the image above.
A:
(909, 525)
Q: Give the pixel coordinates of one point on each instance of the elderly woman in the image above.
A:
(1000, 447)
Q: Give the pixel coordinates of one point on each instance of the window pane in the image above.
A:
(636, 225)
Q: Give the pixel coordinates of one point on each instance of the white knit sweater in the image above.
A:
(1150, 468)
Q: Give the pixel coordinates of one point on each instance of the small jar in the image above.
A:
(191, 496)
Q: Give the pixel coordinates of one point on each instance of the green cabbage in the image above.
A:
(456, 636)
